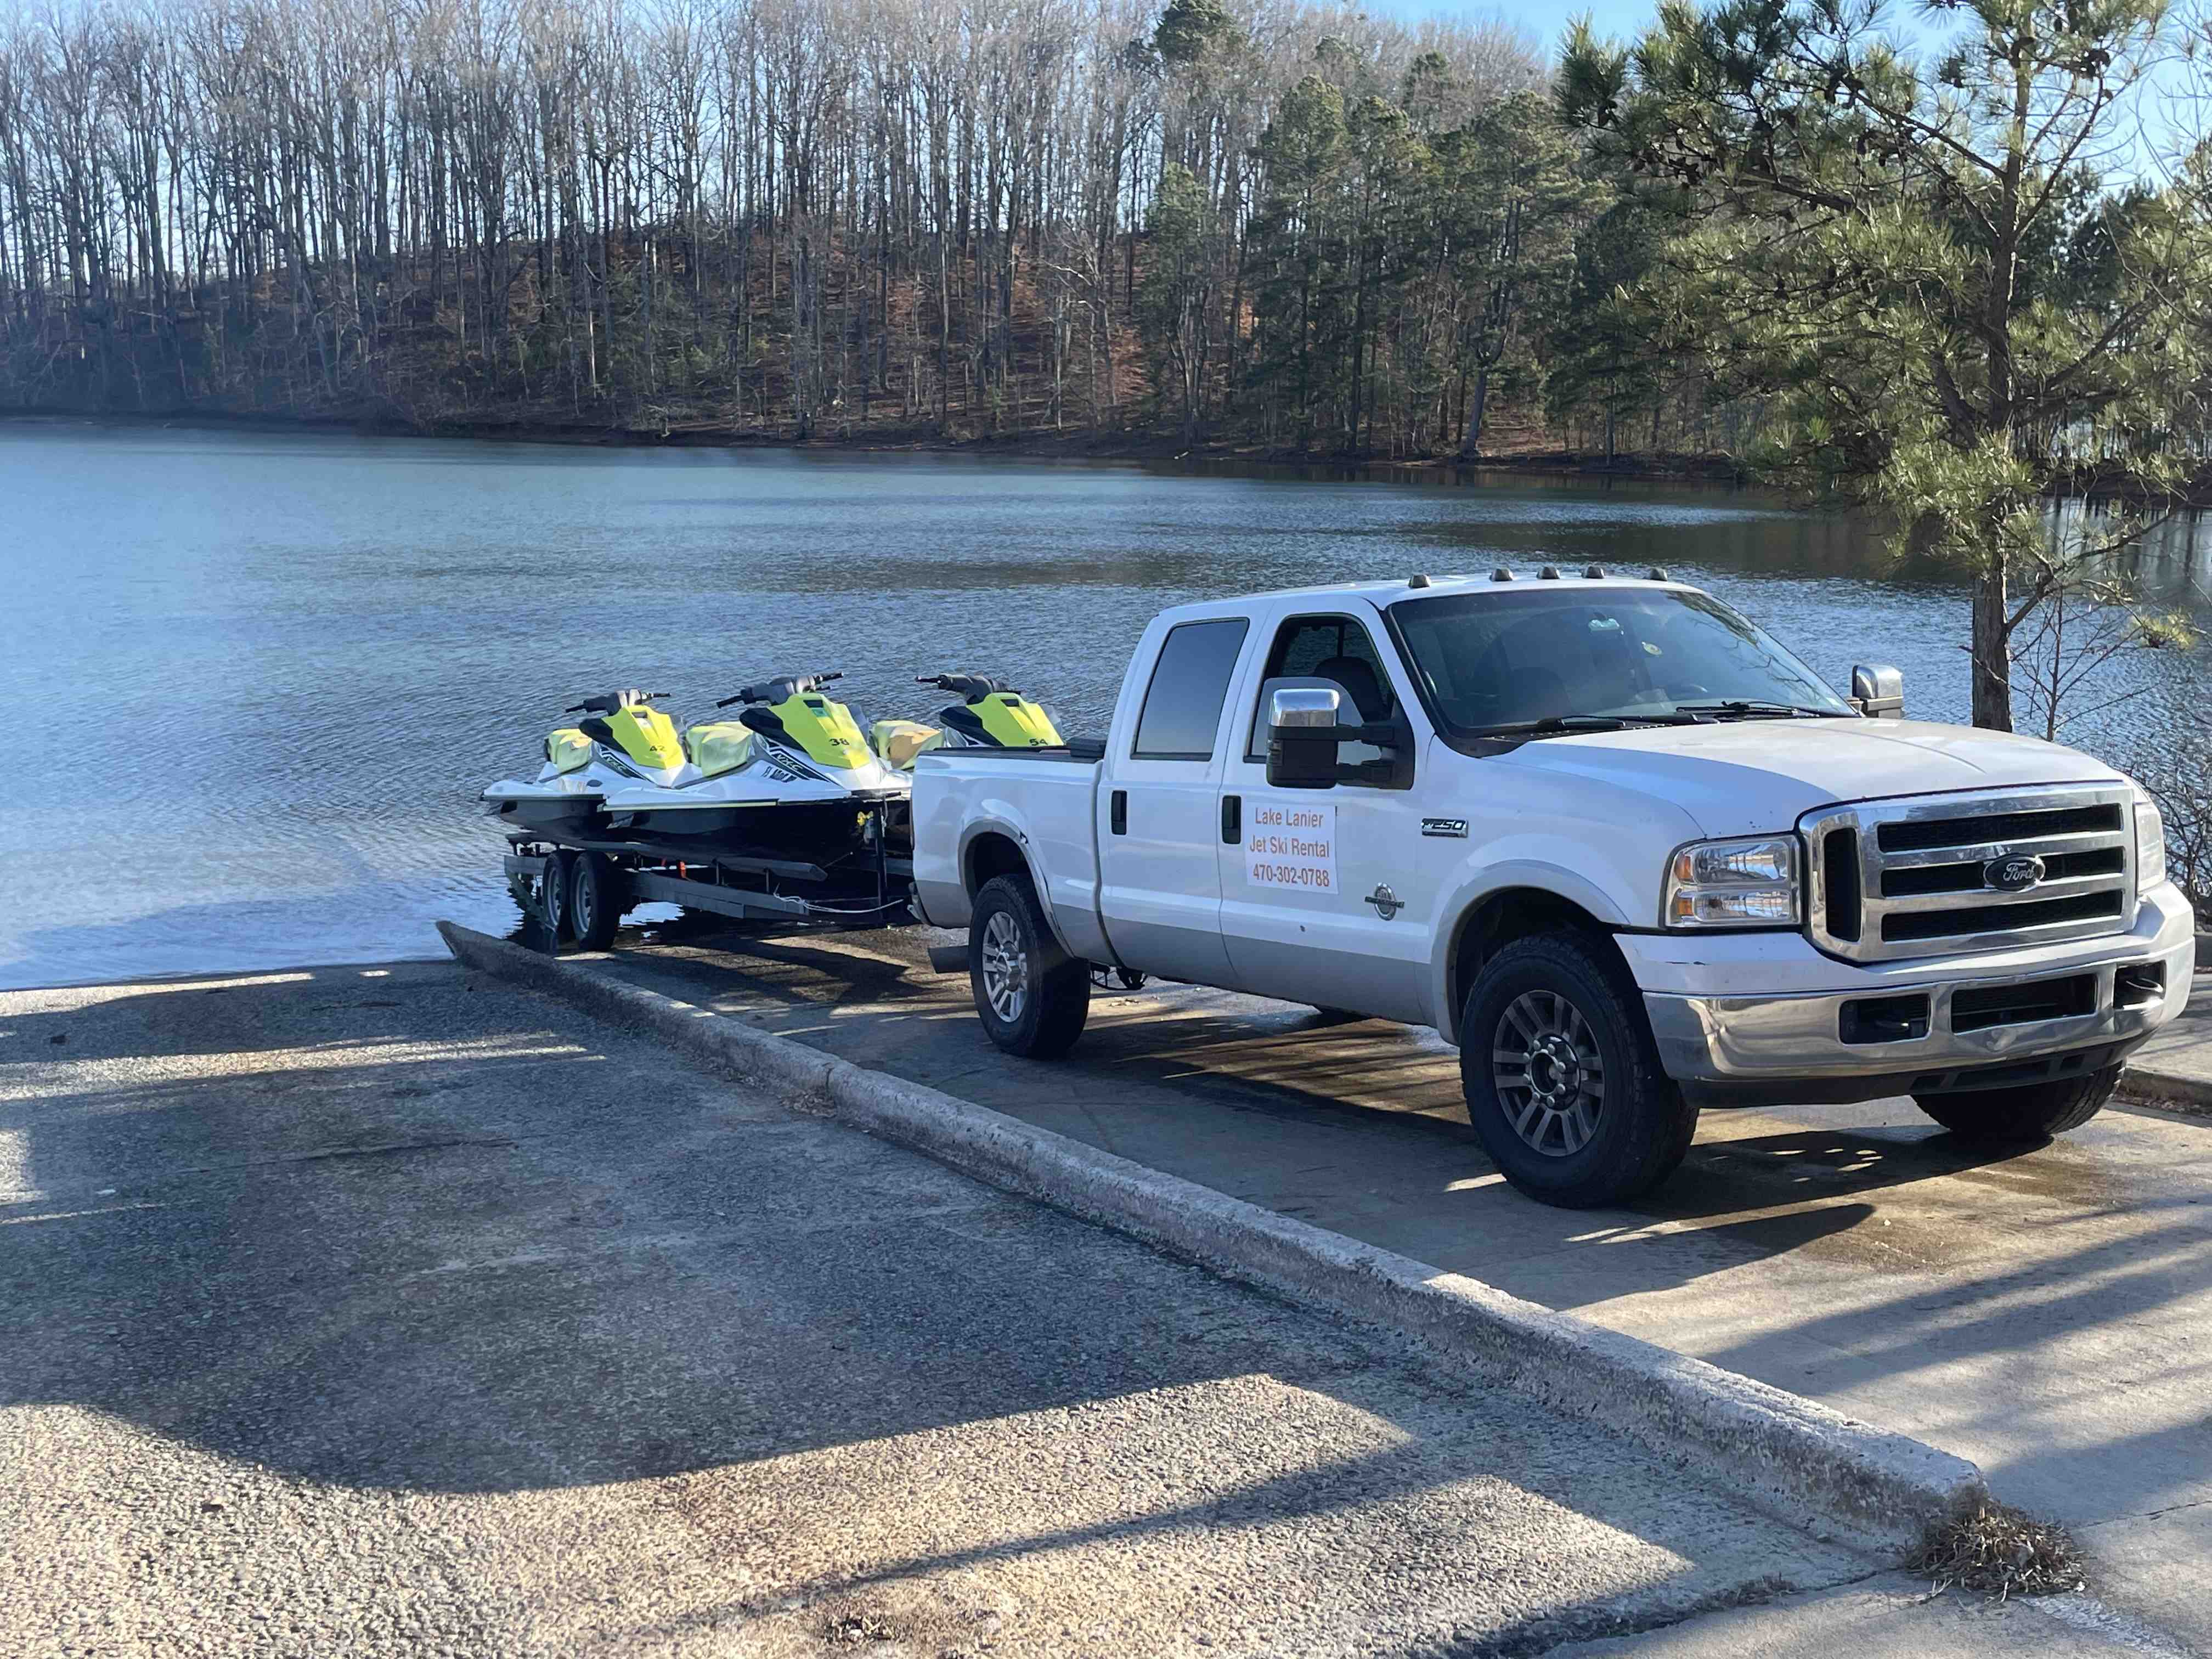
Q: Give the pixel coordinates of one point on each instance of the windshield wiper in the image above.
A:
(1586, 723)
(1755, 708)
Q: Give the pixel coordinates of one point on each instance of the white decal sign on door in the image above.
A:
(1291, 844)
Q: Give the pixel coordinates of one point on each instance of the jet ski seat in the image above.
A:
(566, 749)
(718, 746)
(898, 742)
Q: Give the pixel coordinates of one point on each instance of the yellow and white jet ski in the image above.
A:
(622, 740)
(990, 715)
(791, 777)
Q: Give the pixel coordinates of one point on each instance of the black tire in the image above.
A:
(553, 896)
(1032, 995)
(2033, 1112)
(596, 900)
(1563, 1081)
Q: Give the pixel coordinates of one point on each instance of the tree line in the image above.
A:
(807, 218)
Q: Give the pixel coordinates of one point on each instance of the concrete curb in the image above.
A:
(1838, 1477)
(2155, 1087)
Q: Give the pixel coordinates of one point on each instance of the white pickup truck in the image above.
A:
(1607, 837)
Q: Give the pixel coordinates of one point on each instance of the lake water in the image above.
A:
(256, 681)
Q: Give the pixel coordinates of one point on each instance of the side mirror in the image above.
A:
(1303, 738)
(1878, 690)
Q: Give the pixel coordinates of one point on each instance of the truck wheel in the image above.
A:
(1032, 995)
(2033, 1112)
(553, 896)
(1563, 1082)
(595, 901)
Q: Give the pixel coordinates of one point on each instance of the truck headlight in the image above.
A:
(2150, 844)
(1732, 884)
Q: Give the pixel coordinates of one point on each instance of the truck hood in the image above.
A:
(1748, 777)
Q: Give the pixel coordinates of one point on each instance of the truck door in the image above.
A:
(1322, 899)
(1159, 810)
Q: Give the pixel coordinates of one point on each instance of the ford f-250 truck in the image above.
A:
(1607, 836)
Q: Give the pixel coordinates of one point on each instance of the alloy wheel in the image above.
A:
(1005, 967)
(1549, 1073)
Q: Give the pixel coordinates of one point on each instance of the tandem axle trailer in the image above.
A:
(579, 888)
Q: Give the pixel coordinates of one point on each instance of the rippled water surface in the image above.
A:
(256, 681)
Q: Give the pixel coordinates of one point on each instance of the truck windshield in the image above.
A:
(1497, 663)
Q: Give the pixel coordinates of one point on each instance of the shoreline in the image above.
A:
(1129, 446)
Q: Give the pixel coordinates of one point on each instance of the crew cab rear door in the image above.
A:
(1323, 899)
(1159, 804)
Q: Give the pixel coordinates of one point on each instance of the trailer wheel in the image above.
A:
(1563, 1081)
(1032, 995)
(553, 896)
(2033, 1112)
(595, 901)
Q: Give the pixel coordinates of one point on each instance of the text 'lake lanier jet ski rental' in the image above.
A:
(791, 776)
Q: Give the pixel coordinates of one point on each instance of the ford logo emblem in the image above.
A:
(2016, 874)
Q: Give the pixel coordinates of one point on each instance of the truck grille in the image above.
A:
(1912, 878)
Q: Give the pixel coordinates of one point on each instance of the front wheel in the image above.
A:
(1563, 1082)
(1032, 995)
(2032, 1112)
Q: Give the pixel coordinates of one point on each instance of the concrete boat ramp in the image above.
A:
(407, 1309)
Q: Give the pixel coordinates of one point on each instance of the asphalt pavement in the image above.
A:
(397, 1312)
(2045, 1312)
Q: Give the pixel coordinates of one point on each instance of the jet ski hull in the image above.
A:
(813, 832)
(568, 814)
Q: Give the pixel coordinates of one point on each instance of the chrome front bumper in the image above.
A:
(1753, 1048)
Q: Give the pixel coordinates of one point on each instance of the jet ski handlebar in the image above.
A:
(972, 687)
(611, 701)
(781, 690)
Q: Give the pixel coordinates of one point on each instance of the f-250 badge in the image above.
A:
(1387, 903)
(1455, 828)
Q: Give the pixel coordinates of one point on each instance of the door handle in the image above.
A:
(1117, 812)
(1232, 819)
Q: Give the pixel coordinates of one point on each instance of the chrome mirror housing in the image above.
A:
(1302, 737)
(1878, 690)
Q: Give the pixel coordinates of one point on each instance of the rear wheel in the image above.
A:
(1563, 1082)
(595, 901)
(1032, 995)
(2033, 1112)
(553, 896)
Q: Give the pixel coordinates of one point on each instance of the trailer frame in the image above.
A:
(866, 891)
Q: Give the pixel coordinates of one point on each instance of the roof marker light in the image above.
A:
(1417, 581)
(1501, 575)
(1550, 573)
(1656, 574)
(1593, 573)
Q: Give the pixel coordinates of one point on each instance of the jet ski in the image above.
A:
(791, 777)
(622, 741)
(990, 715)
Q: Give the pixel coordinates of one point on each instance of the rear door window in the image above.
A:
(1190, 682)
